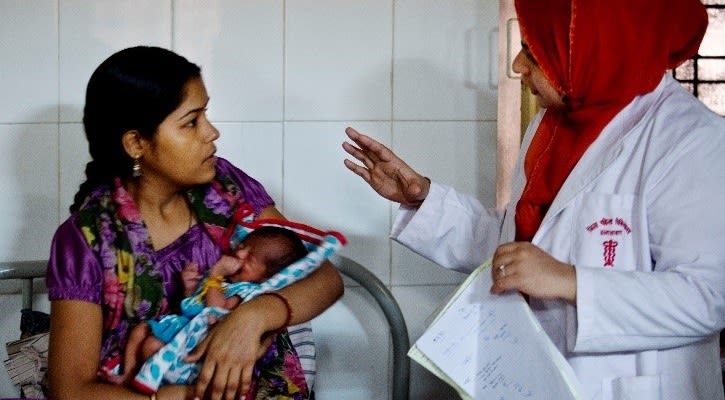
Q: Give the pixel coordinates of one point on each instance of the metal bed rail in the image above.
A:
(394, 316)
(26, 271)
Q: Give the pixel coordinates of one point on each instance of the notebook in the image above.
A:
(492, 347)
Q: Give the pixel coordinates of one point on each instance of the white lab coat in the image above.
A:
(642, 217)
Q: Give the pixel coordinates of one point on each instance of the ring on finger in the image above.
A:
(502, 269)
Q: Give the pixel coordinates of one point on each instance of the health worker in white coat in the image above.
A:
(616, 230)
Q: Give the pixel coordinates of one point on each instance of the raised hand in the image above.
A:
(384, 171)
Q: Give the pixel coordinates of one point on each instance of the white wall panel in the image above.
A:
(90, 31)
(28, 61)
(239, 47)
(338, 59)
(442, 69)
(28, 201)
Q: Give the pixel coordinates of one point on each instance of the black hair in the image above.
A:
(286, 248)
(133, 89)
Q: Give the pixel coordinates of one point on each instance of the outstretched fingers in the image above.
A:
(358, 170)
(368, 152)
(370, 147)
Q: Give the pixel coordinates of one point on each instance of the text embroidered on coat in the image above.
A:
(611, 229)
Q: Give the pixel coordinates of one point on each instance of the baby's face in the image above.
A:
(253, 268)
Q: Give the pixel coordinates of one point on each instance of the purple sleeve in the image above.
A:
(252, 190)
(74, 272)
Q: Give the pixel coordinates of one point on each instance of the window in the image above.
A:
(704, 74)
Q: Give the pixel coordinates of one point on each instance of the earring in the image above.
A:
(136, 171)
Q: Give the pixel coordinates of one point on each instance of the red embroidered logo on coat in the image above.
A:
(610, 229)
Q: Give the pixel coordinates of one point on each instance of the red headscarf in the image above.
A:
(600, 54)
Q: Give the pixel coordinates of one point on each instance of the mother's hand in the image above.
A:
(229, 353)
(524, 267)
(384, 171)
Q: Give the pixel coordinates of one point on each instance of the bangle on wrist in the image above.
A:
(287, 306)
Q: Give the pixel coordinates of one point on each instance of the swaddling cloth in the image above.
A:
(167, 366)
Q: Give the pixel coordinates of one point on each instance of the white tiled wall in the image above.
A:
(285, 78)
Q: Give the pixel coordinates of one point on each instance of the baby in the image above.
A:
(261, 254)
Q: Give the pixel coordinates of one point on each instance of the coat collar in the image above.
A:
(604, 151)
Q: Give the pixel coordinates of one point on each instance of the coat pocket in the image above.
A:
(605, 231)
(637, 388)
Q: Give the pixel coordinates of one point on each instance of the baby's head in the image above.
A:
(266, 251)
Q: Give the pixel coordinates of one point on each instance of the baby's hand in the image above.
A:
(227, 265)
(190, 278)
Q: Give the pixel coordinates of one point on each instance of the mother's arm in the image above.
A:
(236, 342)
(74, 351)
